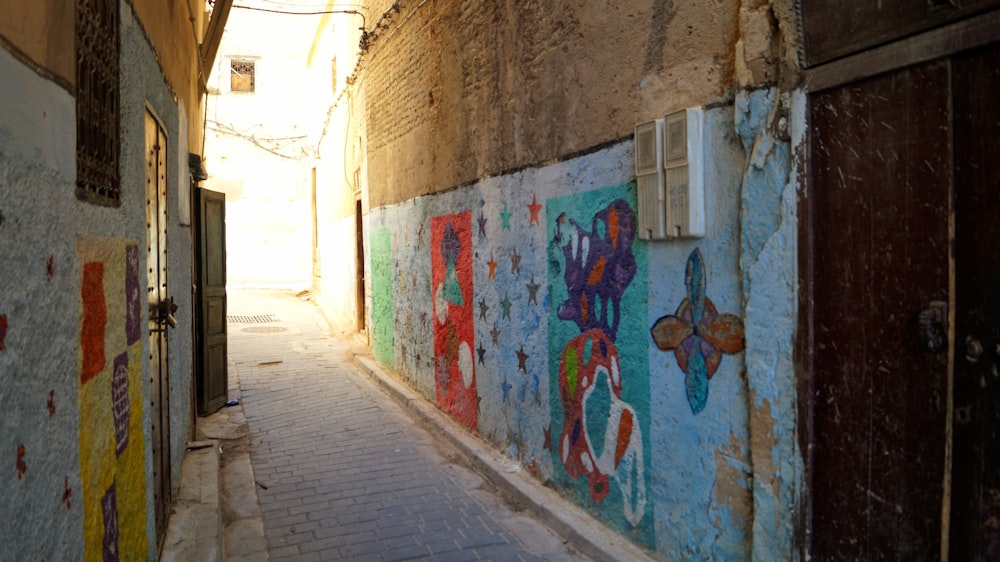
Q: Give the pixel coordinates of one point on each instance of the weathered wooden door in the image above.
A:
(904, 191)
(159, 314)
(213, 377)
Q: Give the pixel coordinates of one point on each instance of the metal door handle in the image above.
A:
(932, 320)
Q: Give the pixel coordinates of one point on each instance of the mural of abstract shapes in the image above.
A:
(383, 338)
(697, 334)
(3, 331)
(21, 465)
(454, 335)
(533, 208)
(50, 268)
(95, 319)
(133, 310)
(600, 437)
(67, 494)
(120, 406)
(112, 450)
(109, 512)
(599, 267)
(50, 404)
(600, 415)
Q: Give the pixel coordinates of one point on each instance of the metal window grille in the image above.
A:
(97, 92)
(242, 77)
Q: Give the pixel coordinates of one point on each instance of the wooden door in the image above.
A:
(213, 376)
(904, 193)
(157, 297)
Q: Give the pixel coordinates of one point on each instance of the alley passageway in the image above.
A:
(343, 471)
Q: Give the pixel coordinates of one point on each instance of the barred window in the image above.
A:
(242, 79)
(97, 94)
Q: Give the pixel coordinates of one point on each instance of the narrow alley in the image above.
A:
(344, 472)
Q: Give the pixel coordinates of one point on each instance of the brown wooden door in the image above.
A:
(889, 156)
(156, 263)
(213, 376)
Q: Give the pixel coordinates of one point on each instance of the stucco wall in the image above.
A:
(73, 341)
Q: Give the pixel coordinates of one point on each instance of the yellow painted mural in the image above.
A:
(112, 447)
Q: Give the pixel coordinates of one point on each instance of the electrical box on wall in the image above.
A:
(683, 164)
(649, 177)
(670, 175)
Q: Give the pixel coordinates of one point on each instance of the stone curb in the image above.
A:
(194, 530)
(585, 533)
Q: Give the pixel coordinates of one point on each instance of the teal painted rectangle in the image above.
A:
(599, 357)
(382, 300)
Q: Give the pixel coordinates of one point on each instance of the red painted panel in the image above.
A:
(95, 320)
(454, 323)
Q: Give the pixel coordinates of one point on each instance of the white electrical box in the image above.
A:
(649, 176)
(684, 171)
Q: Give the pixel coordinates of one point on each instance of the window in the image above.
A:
(97, 102)
(242, 79)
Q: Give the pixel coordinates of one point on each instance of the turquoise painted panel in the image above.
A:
(382, 301)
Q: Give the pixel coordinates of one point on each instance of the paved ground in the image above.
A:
(345, 473)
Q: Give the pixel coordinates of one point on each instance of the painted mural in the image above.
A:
(698, 334)
(597, 359)
(112, 447)
(454, 326)
(382, 304)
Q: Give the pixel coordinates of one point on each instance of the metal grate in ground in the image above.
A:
(251, 318)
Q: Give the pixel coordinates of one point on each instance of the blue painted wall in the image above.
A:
(674, 423)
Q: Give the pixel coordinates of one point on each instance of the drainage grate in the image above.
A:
(251, 318)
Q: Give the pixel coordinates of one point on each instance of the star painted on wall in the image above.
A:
(522, 359)
(532, 291)
(482, 353)
(506, 307)
(493, 267)
(505, 387)
(483, 307)
(495, 334)
(547, 445)
(534, 208)
(505, 217)
(482, 224)
(515, 262)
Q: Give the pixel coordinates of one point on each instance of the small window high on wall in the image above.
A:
(242, 77)
(97, 102)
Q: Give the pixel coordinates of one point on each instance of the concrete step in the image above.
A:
(194, 530)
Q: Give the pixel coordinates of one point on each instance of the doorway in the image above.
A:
(159, 315)
(359, 264)
(905, 316)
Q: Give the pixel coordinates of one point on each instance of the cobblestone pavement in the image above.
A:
(344, 472)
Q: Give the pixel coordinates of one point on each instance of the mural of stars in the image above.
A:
(506, 387)
(483, 307)
(532, 291)
(515, 262)
(533, 209)
(482, 353)
(482, 224)
(522, 359)
(493, 267)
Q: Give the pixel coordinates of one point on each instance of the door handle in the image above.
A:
(165, 312)
(931, 322)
